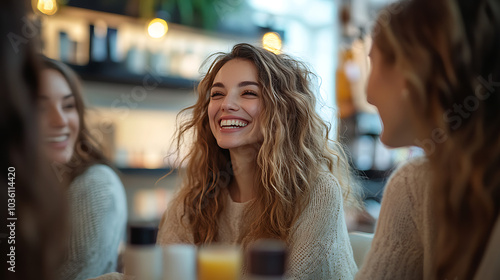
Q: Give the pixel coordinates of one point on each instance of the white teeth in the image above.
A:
(232, 123)
(57, 138)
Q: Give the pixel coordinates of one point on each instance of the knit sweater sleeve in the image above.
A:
(98, 217)
(319, 244)
(397, 250)
(171, 230)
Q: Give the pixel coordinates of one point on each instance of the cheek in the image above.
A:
(372, 88)
(43, 122)
(256, 115)
(211, 112)
(74, 122)
(255, 109)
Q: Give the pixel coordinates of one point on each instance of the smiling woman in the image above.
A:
(59, 119)
(262, 166)
(235, 105)
(95, 194)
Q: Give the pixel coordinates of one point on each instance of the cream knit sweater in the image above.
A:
(405, 232)
(98, 215)
(319, 246)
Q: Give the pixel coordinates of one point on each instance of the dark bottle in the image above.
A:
(267, 260)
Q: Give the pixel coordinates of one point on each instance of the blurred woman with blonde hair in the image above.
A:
(262, 166)
(435, 67)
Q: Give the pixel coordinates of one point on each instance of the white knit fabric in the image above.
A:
(406, 231)
(402, 240)
(319, 245)
(98, 217)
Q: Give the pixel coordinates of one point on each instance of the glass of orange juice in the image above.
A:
(219, 262)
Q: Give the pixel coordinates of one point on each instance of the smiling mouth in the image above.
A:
(232, 124)
(57, 139)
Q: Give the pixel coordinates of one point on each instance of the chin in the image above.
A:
(393, 141)
(61, 158)
(226, 146)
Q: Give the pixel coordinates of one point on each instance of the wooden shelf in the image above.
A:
(117, 73)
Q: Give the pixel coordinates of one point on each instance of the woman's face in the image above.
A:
(58, 116)
(386, 90)
(235, 105)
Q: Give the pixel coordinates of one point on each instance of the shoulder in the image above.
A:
(409, 181)
(416, 170)
(174, 212)
(326, 184)
(98, 177)
(173, 228)
(323, 212)
(325, 192)
(99, 172)
(413, 168)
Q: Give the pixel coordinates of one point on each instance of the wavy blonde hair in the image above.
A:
(444, 49)
(295, 149)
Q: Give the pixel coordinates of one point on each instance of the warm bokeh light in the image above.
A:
(271, 41)
(157, 28)
(48, 7)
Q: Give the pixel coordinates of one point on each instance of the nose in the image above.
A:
(230, 103)
(56, 117)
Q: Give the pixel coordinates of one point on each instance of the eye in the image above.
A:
(69, 106)
(249, 92)
(216, 94)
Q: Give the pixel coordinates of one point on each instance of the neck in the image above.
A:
(243, 185)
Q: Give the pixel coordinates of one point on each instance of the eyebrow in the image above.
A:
(241, 84)
(248, 83)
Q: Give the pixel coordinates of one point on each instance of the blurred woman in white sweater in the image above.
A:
(96, 196)
(262, 166)
(435, 81)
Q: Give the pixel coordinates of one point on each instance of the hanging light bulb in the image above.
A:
(271, 41)
(157, 28)
(48, 7)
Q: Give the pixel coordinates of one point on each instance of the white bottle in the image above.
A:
(143, 258)
(179, 262)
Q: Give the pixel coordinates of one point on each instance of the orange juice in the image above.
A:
(219, 262)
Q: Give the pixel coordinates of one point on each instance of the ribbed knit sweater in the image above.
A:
(98, 216)
(319, 246)
(405, 232)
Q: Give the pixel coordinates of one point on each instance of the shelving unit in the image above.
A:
(115, 54)
(115, 48)
(116, 73)
(156, 172)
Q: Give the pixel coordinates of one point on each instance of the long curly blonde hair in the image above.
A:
(448, 50)
(294, 150)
